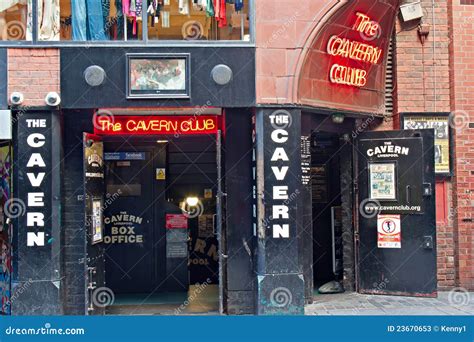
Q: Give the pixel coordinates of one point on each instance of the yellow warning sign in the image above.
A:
(160, 174)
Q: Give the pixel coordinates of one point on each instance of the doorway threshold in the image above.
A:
(194, 302)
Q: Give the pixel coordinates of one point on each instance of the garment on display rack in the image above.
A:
(220, 12)
(154, 11)
(133, 9)
(210, 8)
(239, 5)
(183, 7)
(87, 20)
(49, 23)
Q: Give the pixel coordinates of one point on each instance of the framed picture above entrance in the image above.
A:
(158, 76)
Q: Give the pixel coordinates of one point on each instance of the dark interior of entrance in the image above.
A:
(326, 207)
(152, 256)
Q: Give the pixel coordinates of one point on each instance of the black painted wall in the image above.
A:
(74, 243)
(238, 211)
(76, 93)
(4, 78)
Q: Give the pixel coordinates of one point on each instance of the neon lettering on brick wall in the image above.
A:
(355, 50)
(156, 125)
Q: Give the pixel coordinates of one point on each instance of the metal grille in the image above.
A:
(390, 79)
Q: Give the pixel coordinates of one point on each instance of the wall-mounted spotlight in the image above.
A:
(338, 118)
(16, 98)
(52, 99)
(411, 11)
(192, 201)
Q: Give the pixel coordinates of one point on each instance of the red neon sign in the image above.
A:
(365, 25)
(154, 125)
(355, 50)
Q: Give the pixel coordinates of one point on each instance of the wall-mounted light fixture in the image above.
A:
(338, 118)
(411, 11)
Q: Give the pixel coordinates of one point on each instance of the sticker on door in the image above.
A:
(389, 231)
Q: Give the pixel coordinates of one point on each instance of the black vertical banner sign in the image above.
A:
(280, 280)
(37, 240)
(34, 186)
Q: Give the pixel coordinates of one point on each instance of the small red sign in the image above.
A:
(176, 221)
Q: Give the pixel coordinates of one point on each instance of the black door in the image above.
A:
(396, 230)
(99, 296)
(130, 232)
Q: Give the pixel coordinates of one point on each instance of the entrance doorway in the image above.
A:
(326, 211)
(389, 218)
(160, 223)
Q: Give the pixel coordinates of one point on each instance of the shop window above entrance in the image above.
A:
(136, 20)
(13, 20)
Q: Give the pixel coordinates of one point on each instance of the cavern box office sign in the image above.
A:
(34, 207)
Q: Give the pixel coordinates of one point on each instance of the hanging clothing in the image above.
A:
(239, 4)
(183, 7)
(209, 8)
(49, 23)
(126, 7)
(119, 16)
(155, 11)
(87, 20)
(220, 12)
(133, 9)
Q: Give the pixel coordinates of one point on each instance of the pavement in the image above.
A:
(447, 303)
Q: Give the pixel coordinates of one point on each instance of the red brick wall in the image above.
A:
(423, 72)
(439, 79)
(282, 31)
(423, 85)
(33, 72)
(462, 84)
